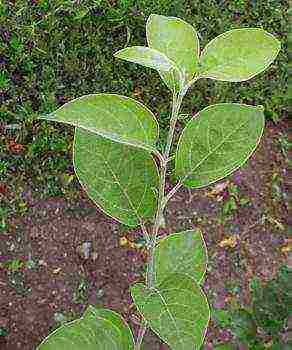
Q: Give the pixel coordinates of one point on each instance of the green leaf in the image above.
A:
(183, 252)
(115, 319)
(146, 57)
(178, 40)
(115, 117)
(225, 347)
(177, 311)
(89, 333)
(216, 142)
(120, 179)
(238, 54)
(243, 325)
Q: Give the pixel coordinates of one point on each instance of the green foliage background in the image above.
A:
(54, 51)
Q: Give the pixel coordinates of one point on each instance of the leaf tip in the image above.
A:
(117, 54)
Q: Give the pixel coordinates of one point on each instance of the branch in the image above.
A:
(172, 193)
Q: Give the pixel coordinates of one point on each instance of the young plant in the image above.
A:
(115, 159)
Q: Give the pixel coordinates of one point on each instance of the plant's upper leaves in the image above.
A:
(183, 252)
(178, 40)
(216, 142)
(89, 333)
(115, 117)
(146, 57)
(177, 311)
(120, 179)
(238, 54)
(127, 339)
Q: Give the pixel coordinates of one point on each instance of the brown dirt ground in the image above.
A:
(59, 280)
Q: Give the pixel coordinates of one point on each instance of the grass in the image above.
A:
(54, 51)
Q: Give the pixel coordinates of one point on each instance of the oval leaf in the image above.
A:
(238, 54)
(115, 117)
(177, 311)
(120, 179)
(183, 252)
(217, 142)
(178, 40)
(115, 319)
(89, 333)
(146, 57)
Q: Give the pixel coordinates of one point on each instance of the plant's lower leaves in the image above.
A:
(216, 142)
(177, 311)
(115, 319)
(183, 252)
(90, 332)
(115, 117)
(120, 179)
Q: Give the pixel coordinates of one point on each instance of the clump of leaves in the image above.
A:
(272, 302)
(270, 309)
(14, 265)
(80, 295)
(118, 163)
(234, 200)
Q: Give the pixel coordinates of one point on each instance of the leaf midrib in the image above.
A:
(169, 313)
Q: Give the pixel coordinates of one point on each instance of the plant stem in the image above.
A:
(150, 278)
(145, 232)
(141, 333)
(172, 193)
